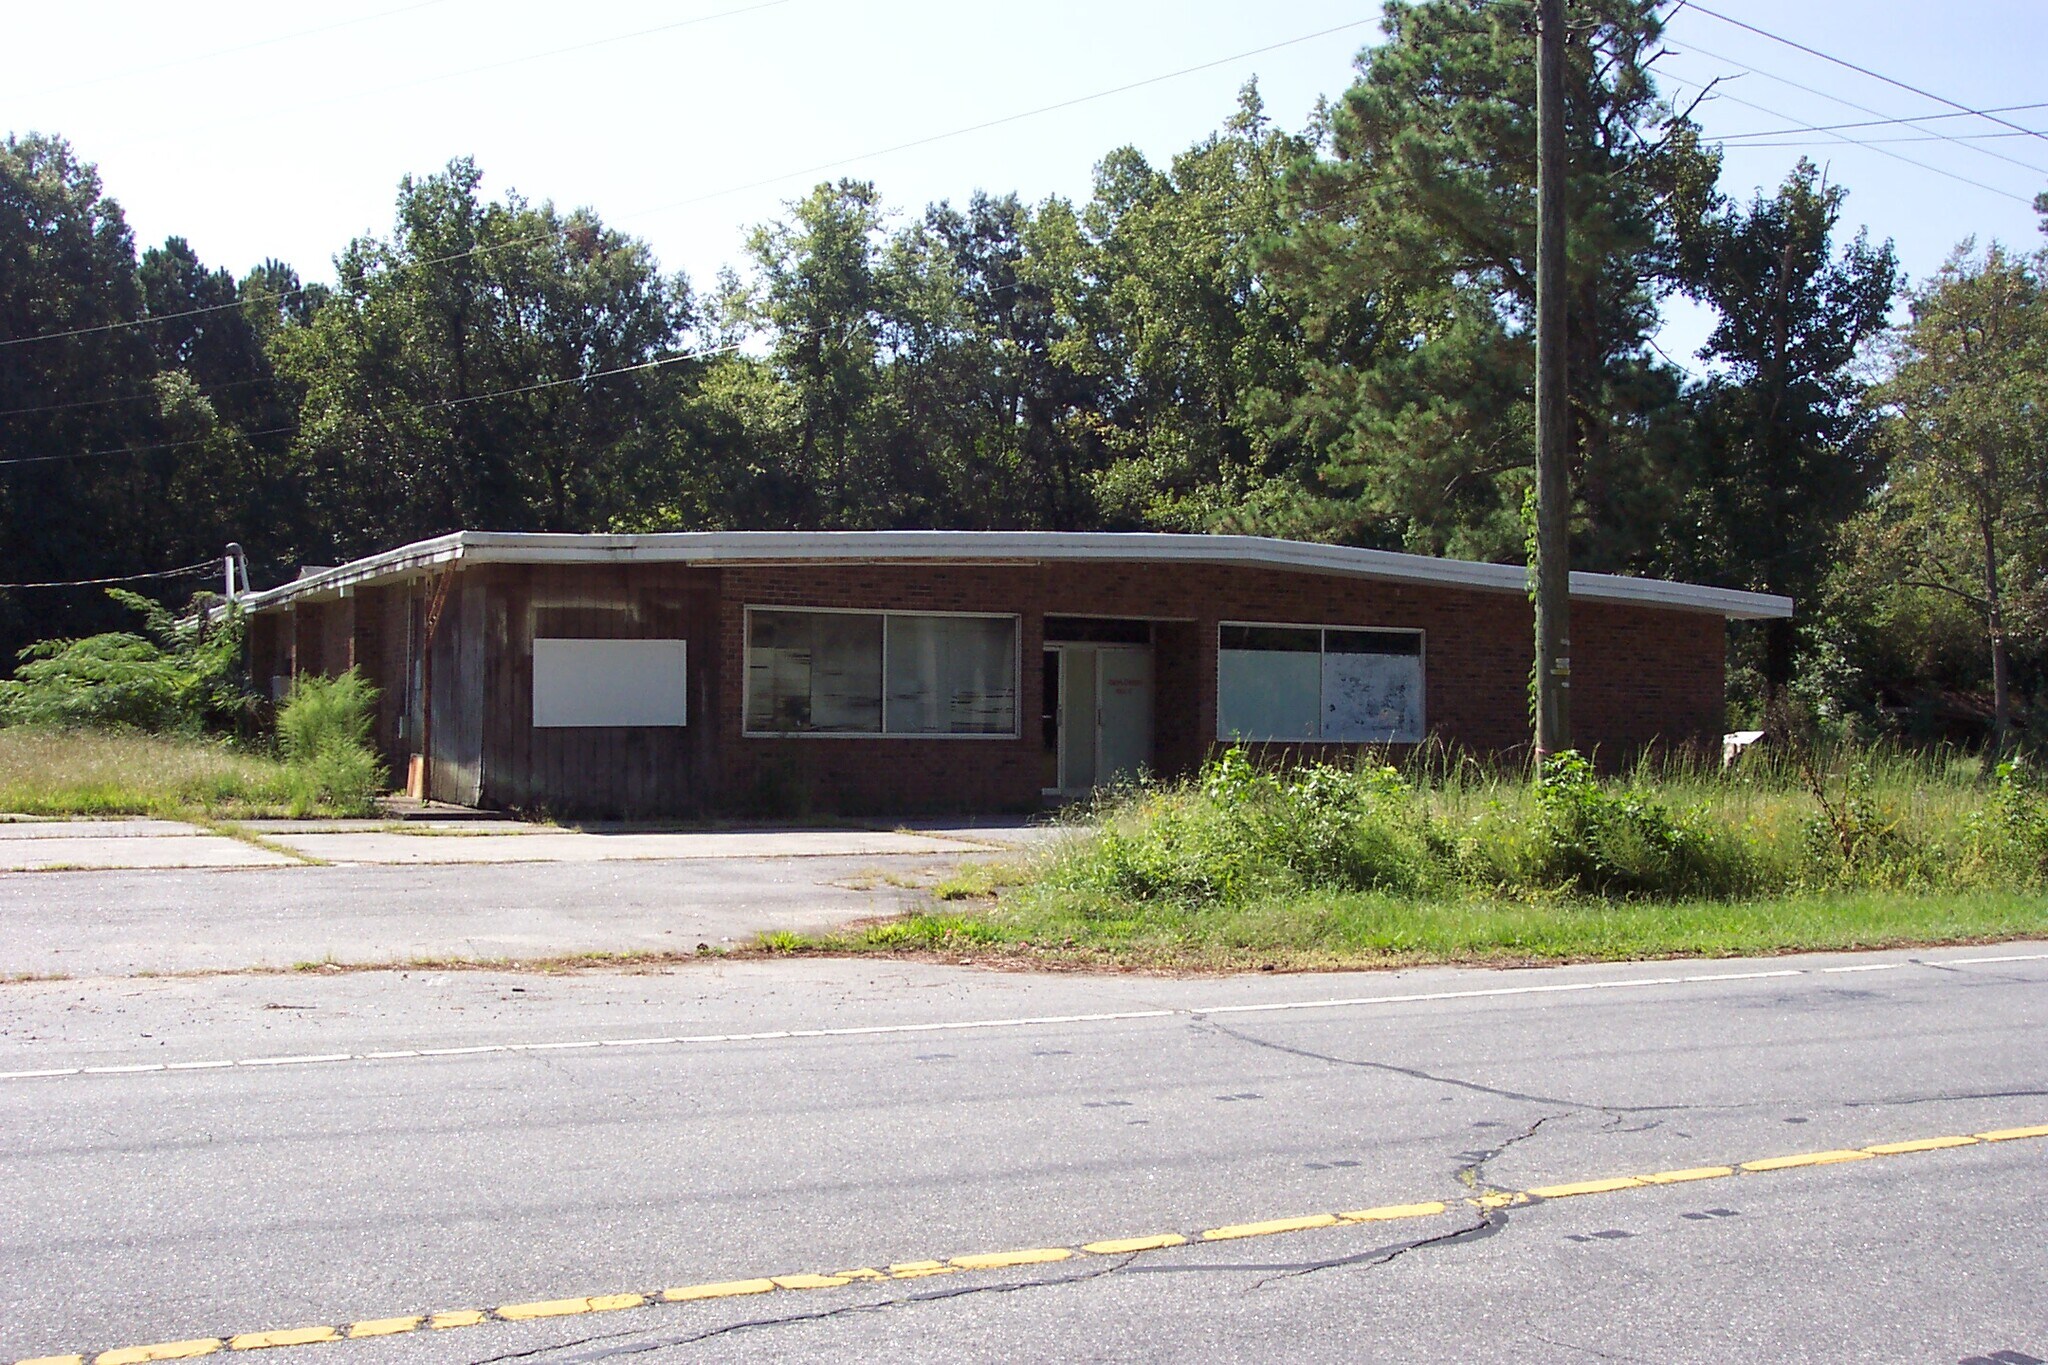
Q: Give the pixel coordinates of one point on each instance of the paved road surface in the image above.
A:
(767, 1119)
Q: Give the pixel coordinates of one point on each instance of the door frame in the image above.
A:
(1062, 720)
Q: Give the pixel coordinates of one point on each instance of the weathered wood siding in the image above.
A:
(609, 770)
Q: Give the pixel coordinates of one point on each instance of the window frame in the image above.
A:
(1015, 731)
(1322, 629)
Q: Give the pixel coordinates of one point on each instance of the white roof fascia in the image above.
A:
(739, 547)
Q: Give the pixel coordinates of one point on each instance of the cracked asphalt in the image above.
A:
(145, 1207)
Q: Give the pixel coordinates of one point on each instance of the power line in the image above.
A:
(1854, 142)
(371, 92)
(1889, 122)
(436, 406)
(236, 50)
(1864, 70)
(1867, 142)
(1864, 108)
(837, 164)
(203, 566)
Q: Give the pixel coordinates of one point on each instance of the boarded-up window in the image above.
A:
(875, 673)
(609, 683)
(1305, 683)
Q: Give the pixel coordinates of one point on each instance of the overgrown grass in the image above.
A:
(85, 772)
(1450, 860)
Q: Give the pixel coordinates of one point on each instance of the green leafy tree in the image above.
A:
(1964, 513)
(75, 381)
(1414, 258)
(1786, 454)
(479, 369)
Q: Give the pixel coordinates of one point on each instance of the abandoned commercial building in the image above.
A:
(895, 671)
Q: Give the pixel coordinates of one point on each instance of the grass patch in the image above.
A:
(88, 773)
(1450, 862)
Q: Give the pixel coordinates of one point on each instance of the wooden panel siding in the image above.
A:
(598, 770)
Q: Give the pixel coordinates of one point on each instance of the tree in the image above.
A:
(1965, 509)
(491, 365)
(1197, 353)
(1414, 256)
(1785, 440)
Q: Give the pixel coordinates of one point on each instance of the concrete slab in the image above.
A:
(14, 830)
(578, 846)
(108, 853)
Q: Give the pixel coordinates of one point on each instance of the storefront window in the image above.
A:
(876, 673)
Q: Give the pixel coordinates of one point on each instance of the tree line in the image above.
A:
(1320, 333)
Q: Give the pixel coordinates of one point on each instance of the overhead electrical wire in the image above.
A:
(1845, 139)
(1863, 70)
(1886, 123)
(836, 164)
(1861, 108)
(371, 92)
(237, 50)
(203, 566)
(658, 363)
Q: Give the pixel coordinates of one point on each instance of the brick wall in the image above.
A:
(1641, 675)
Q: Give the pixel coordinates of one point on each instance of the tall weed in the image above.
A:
(324, 735)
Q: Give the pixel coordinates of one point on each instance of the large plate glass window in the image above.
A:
(1308, 683)
(880, 673)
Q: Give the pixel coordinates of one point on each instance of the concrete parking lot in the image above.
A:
(122, 897)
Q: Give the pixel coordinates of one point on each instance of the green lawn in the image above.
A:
(1026, 926)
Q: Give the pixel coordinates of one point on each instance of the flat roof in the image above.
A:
(983, 547)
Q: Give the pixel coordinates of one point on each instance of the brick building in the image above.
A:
(952, 670)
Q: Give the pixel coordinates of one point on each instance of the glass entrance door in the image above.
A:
(1097, 720)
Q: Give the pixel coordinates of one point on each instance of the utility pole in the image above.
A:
(1552, 569)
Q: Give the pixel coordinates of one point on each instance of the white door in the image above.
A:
(1123, 713)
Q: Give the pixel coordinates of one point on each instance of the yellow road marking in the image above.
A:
(1003, 1260)
(1389, 1212)
(562, 1308)
(1270, 1227)
(727, 1290)
(910, 1270)
(384, 1327)
(1689, 1173)
(162, 1350)
(1120, 1246)
(1786, 1163)
(290, 1336)
(1576, 1187)
(1920, 1145)
(997, 1260)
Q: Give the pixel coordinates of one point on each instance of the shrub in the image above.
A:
(1624, 842)
(182, 676)
(323, 734)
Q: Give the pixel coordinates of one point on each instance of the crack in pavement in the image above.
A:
(1417, 1074)
(1111, 1266)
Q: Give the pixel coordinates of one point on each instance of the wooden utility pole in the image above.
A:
(1552, 569)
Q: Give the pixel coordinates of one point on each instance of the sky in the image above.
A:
(264, 130)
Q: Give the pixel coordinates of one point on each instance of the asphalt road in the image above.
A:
(761, 1119)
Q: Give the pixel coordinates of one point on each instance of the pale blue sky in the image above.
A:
(264, 129)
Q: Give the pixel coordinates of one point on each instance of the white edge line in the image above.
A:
(1114, 1016)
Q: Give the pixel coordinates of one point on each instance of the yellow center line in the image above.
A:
(1487, 1201)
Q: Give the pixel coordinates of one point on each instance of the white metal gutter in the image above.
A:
(786, 547)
